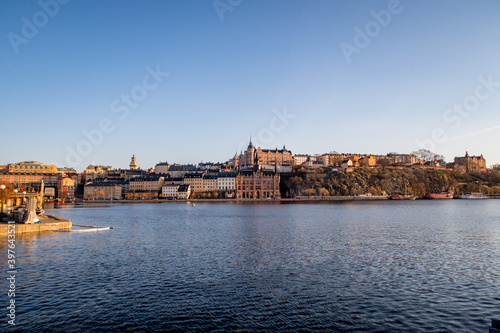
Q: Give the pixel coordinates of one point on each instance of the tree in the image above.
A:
(428, 156)
(101, 194)
(310, 191)
(323, 192)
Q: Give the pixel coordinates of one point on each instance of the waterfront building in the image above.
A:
(67, 188)
(31, 167)
(148, 183)
(226, 181)
(184, 191)
(470, 163)
(169, 191)
(195, 180)
(255, 183)
(209, 183)
(102, 190)
(29, 175)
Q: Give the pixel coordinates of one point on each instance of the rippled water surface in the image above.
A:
(423, 266)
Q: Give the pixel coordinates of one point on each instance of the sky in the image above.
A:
(187, 81)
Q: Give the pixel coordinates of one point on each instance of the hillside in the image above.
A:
(380, 181)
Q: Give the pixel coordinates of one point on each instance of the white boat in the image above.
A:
(86, 230)
(474, 195)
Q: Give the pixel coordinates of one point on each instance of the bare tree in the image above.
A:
(429, 156)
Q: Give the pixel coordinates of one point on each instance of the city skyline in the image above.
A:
(189, 82)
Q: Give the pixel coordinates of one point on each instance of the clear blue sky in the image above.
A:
(228, 78)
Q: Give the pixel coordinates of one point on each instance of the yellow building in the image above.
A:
(31, 167)
(209, 183)
(195, 181)
(102, 191)
(368, 161)
(148, 183)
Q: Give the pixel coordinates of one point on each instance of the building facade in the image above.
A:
(162, 168)
(226, 181)
(184, 192)
(169, 191)
(195, 181)
(257, 184)
(148, 183)
(209, 183)
(471, 163)
(102, 191)
(279, 159)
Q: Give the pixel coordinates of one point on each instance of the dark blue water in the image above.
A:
(422, 266)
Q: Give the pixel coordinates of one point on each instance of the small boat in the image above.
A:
(442, 195)
(474, 195)
(86, 230)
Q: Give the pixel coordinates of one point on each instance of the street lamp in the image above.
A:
(24, 196)
(2, 187)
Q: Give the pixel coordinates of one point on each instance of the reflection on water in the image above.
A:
(384, 266)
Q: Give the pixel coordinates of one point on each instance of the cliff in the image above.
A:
(380, 181)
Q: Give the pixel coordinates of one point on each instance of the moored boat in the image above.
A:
(442, 195)
(474, 195)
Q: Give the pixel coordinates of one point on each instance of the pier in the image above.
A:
(47, 223)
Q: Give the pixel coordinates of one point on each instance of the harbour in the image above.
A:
(340, 266)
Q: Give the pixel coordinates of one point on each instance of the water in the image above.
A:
(422, 266)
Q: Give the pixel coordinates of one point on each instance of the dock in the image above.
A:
(47, 223)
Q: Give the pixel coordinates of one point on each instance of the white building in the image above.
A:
(226, 181)
(169, 191)
(183, 192)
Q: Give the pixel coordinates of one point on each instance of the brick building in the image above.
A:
(470, 163)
